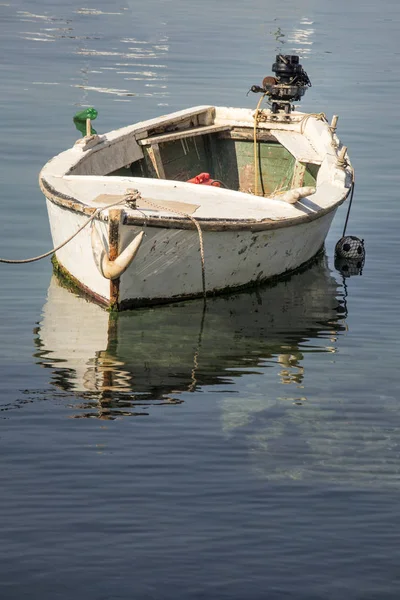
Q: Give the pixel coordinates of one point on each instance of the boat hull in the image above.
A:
(159, 238)
(167, 266)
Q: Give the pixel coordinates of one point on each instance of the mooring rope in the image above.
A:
(193, 385)
(130, 199)
(199, 231)
(46, 254)
(349, 207)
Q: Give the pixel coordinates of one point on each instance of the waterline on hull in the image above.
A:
(75, 286)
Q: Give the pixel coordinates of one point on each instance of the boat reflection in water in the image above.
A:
(116, 365)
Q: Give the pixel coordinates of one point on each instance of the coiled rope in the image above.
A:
(319, 116)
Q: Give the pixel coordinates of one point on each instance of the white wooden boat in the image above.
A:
(155, 238)
(125, 363)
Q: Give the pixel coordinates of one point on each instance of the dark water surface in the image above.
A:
(248, 452)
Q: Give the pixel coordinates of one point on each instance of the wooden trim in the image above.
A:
(184, 133)
(184, 223)
(114, 220)
(154, 155)
(247, 134)
(225, 225)
(298, 174)
(67, 202)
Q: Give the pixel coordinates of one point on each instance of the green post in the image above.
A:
(80, 120)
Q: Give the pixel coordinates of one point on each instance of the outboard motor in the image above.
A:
(288, 86)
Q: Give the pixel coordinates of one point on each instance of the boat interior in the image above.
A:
(183, 147)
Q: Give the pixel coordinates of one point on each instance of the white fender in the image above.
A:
(292, 196)
(112, 269)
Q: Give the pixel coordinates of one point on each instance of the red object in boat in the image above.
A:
(204, 179)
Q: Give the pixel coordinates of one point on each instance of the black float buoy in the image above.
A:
(350, 247)
(350, 255)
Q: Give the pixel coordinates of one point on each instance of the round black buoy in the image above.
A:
(350, 247)
(350, 256)
(349, 250)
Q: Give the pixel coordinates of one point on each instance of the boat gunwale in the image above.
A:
(75, 205)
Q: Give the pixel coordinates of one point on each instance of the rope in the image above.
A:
(319, 116)
(349, 208)
(129, 199)
(192, 387)
(46, 254)
(256, 165)
(197, 225)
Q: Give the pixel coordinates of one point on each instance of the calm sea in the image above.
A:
(246, 453)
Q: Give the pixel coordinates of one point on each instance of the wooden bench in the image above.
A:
(183, 133)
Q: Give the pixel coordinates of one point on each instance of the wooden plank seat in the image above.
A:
(183, 133)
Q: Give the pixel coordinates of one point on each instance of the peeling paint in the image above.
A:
(253, 241)
(260, 280)
(293, 234)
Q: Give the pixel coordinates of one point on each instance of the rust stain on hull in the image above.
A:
(113, 244)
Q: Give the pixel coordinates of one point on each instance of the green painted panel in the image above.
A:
(234, 165)
(186, 158)
(275, 166)
(310, 176)
(224, 162)
(231, 161)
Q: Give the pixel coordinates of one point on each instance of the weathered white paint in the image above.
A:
(294, 195)
(298, 145)
(167, 264)
(106, 158)
(109, 152)
(214, 203)
(77, 257)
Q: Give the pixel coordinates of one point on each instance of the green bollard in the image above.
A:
(80, 120)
